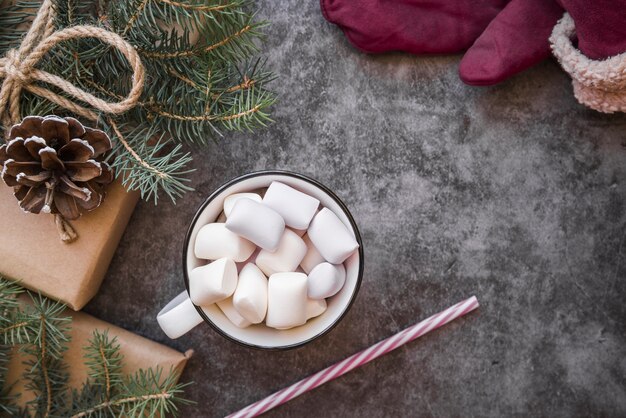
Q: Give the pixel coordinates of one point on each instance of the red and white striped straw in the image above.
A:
(358, 359)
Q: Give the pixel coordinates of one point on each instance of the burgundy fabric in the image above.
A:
(600, 26)
(505, 37)
(416, 26)
(518, 37)
(514, 41)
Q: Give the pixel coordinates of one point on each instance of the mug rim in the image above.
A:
(315, 183)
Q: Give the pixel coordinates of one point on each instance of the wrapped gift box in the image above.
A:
(33, 253)
(138, 352)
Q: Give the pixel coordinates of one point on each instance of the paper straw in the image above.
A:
(358, 359)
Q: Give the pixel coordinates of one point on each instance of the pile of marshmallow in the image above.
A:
(276, 258)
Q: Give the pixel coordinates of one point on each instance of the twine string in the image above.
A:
(65, 229)
(17, 69)
(19, 72)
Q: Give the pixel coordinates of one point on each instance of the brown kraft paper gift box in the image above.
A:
(138, 352)
(33, 253)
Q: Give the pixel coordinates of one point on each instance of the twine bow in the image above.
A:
(19, 73)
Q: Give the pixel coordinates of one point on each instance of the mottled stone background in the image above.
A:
(513, 193)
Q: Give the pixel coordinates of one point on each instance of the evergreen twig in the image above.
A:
(46, 374)
(200, 82)
(104, 360)
(43, 340)
(7, 401)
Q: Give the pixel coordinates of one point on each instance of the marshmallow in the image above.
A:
(179, 316)
(212, 282)
(312, 257)
(286, 300)
(230, 201)
(325, 280)
(296, 208)
(216, 241)
(257, 223)
(232, 314)
(250, 297)
(315, 307)
(290, 252)
(331, 237)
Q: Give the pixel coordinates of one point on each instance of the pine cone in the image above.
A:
(54, 165)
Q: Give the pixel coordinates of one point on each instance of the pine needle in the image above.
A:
(40, 331)
(202, 78)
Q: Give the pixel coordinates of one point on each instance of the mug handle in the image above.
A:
(179, 316)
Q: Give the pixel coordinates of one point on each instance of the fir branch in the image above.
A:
(53, 325)
(9, 291)
(14, 20)
(242, 114)
(73, 12)
(123, 402)
(247, 83)
(70, 13)
(106, 393)
(194, 90)
(156, 110)
(5, 351)
(7, 401)
(46, 373)
(133, 18)
(199, 7)
(205, 117)
(151, 168)
(196, 51)
(104, 360)
(16, 327)
(154, 170)
(146, 393)
(43, 352)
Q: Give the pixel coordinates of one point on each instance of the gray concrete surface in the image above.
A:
(513, 193)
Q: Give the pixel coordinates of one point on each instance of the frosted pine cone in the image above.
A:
(55, 165)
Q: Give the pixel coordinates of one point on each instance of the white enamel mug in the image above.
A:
(180, 315)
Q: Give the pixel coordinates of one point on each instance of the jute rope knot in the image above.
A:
(19, 72)
(14, 72)
(17, 69)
